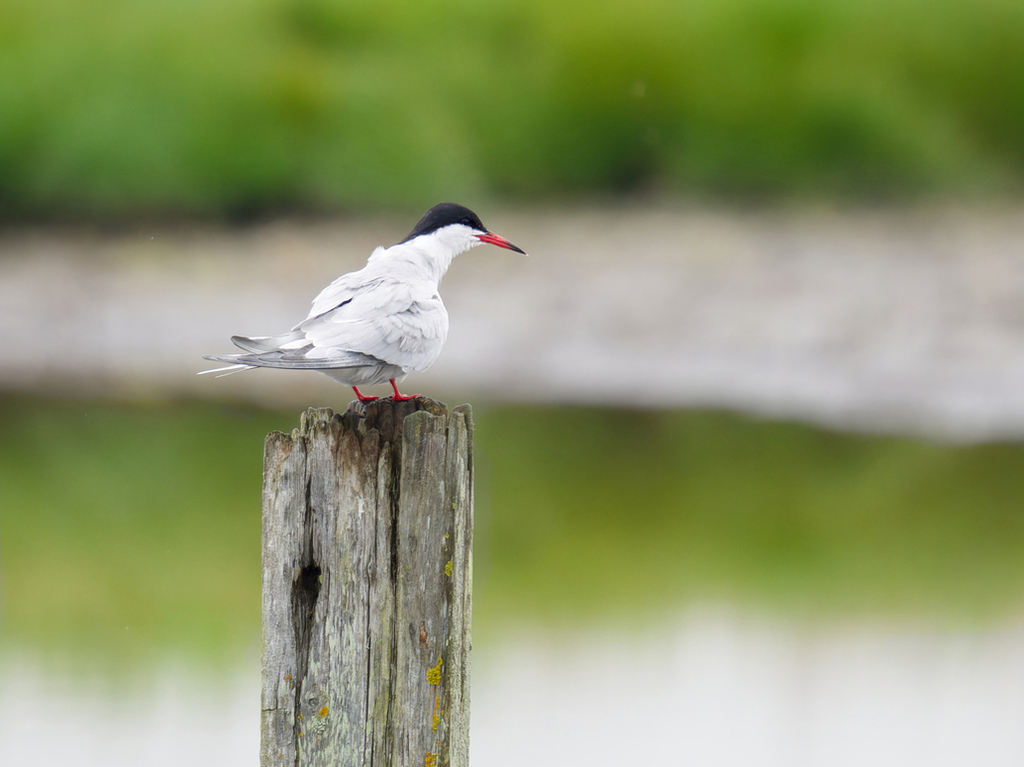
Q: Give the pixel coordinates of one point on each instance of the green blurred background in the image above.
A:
(121, 109)
(130, 531)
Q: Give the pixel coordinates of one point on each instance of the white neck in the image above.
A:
(428, 256)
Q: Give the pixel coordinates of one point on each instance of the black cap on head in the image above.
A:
(443, 215)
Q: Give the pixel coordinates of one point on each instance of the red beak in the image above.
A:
(501, 242)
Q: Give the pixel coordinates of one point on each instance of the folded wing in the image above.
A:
(400, 323)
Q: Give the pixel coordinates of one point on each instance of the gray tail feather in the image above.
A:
(291, 360)
(234, 365)
(259, 344)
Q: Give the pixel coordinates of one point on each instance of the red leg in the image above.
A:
(361, 396)
(399, 397)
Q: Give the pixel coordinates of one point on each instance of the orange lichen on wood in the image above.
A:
(434, 674)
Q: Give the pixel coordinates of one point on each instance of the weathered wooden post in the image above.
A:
(367, 574)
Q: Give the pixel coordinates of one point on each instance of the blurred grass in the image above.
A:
(128, 530)
(632, 513)
(118, 108)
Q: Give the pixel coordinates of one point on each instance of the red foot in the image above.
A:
(399, 397)
(362, 397)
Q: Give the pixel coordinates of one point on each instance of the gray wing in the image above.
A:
(297, 359)
(401, 323)
(363, 319)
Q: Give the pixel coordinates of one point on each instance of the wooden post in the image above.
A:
(367, 575)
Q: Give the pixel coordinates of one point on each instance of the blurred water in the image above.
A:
(908, 320)
(715, 687)
(174, 716)
(724, 688)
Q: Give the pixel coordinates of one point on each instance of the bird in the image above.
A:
(381, 322)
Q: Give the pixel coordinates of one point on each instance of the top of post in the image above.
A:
(384, 415)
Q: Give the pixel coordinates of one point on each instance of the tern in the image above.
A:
(379, 323)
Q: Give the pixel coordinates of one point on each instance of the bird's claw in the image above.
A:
(362, 397)
(403, 397)
(398, 396)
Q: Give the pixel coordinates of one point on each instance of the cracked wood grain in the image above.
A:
(367, 580)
